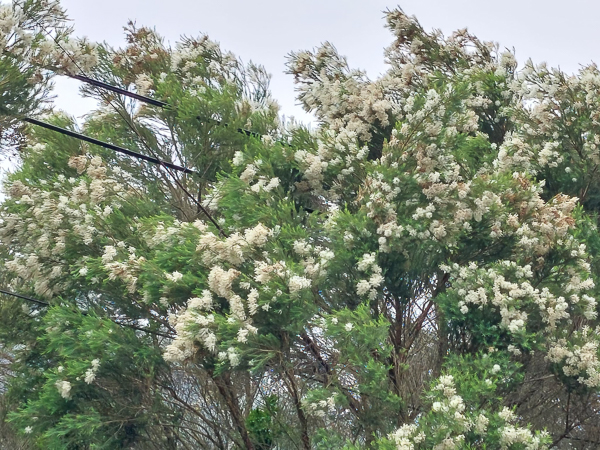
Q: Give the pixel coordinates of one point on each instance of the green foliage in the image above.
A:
(261, 424)
(419, 272)
(109, 405)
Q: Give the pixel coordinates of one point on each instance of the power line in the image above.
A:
(116, 148)
(152, 101)
(132, 126)
(118, 90)
(24, 297)
(136, 96)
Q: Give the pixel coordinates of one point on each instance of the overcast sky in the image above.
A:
(564, 33)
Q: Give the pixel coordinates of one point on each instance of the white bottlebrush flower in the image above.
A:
(366, 262)
(109, 253)
(362, 287)
(238, 158)
(507, 415)
(174, 277)
(272, 184)
(242, 335)
(143, 83)
(233, 356)
(220, 280)
(90, 376)
(301, 247)
(204, 302)
(258, 235)
(64, 388)
(253, 301)
(297, 283)
(481, 424)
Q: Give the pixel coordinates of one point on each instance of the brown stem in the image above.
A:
(313, 348)
(298, 405)
(293, 390)
(223, 383)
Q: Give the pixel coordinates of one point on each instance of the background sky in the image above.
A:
(562, 33)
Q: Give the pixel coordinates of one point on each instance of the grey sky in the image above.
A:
(558, 32)
(265, 31)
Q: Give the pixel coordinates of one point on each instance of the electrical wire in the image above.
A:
(152, 101)
(105, 144)
(133, 128)
(24, 297)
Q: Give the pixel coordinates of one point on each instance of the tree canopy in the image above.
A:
(419, 271)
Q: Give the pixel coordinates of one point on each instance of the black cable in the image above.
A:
(141, 98)
(131, 125)
(151, 101)
(24, 297)
(118, 90)
(116, 148)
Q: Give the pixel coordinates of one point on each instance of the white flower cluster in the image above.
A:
(264, 183)
(507, 288)
(451, 404)
(204, 303)
(220, 281)
(579, 360)
(548, 91)
(266, 271)
(514, 154)
(174, 277)
(64, 388)
(368, 264)
(231, 355)
(313, 167)
(453, 424)
(161, 234)
(127, 269)
(235, 247)
(195, 325)
(379, 203)
(90, 374)
(407, 436)
(189, 54)
(344, 99)
(74, 55)
(192, 326)
(314, 258)
(143, 83)
(297, 283)
(511, 434)
(23, 35)
(321, 407)
(69, 213)
(549, 156)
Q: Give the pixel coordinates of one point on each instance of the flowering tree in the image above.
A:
(417, 273)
